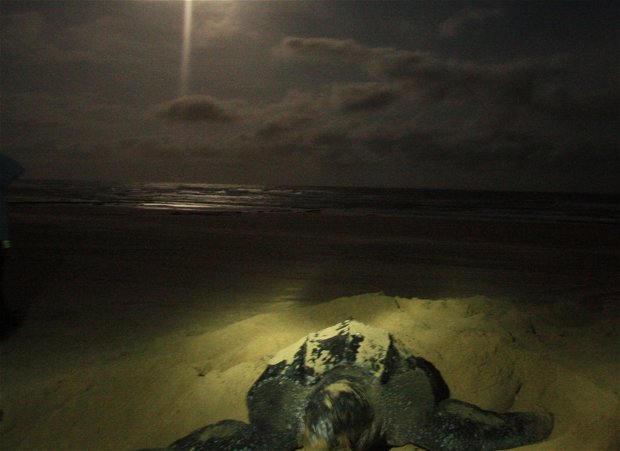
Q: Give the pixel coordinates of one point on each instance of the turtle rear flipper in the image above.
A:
(459, 426)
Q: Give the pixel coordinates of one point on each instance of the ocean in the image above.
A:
(200, 197)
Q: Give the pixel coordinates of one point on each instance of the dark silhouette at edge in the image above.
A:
(10, 319)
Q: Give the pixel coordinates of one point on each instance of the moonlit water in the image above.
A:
(187, 48)
(197, 197)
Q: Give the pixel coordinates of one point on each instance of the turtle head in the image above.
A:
(339, 416)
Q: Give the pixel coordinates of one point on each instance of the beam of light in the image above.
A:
(187, 47)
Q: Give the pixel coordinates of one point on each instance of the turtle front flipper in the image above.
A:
(230, 435)
(457, 425)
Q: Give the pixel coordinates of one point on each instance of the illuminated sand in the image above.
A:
(489, 352)
(141, 330)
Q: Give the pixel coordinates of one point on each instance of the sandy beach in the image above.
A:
(142, 325)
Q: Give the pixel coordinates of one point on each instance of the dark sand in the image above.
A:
(143, 325)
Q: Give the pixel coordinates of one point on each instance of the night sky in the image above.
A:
(505, 95)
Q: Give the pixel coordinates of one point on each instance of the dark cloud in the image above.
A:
(34, 110)
(603, 105)
(199, 108)
(38, 124)
(541, 84)
(294, 114)
(465, 18)
(331, 138)
(275, 129)
(21, 32)
(32, 38)
(25, 38)
(364, 96)
(432, 75)
(321, 48)
(164, 148)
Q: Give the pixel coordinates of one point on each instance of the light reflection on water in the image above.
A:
(548, 207)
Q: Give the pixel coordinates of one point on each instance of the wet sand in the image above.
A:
(143, 325)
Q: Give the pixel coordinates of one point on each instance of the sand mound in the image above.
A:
(491, 353)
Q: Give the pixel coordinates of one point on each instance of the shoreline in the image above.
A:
(325, 211)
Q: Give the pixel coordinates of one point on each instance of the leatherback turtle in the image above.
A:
(355, 387)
